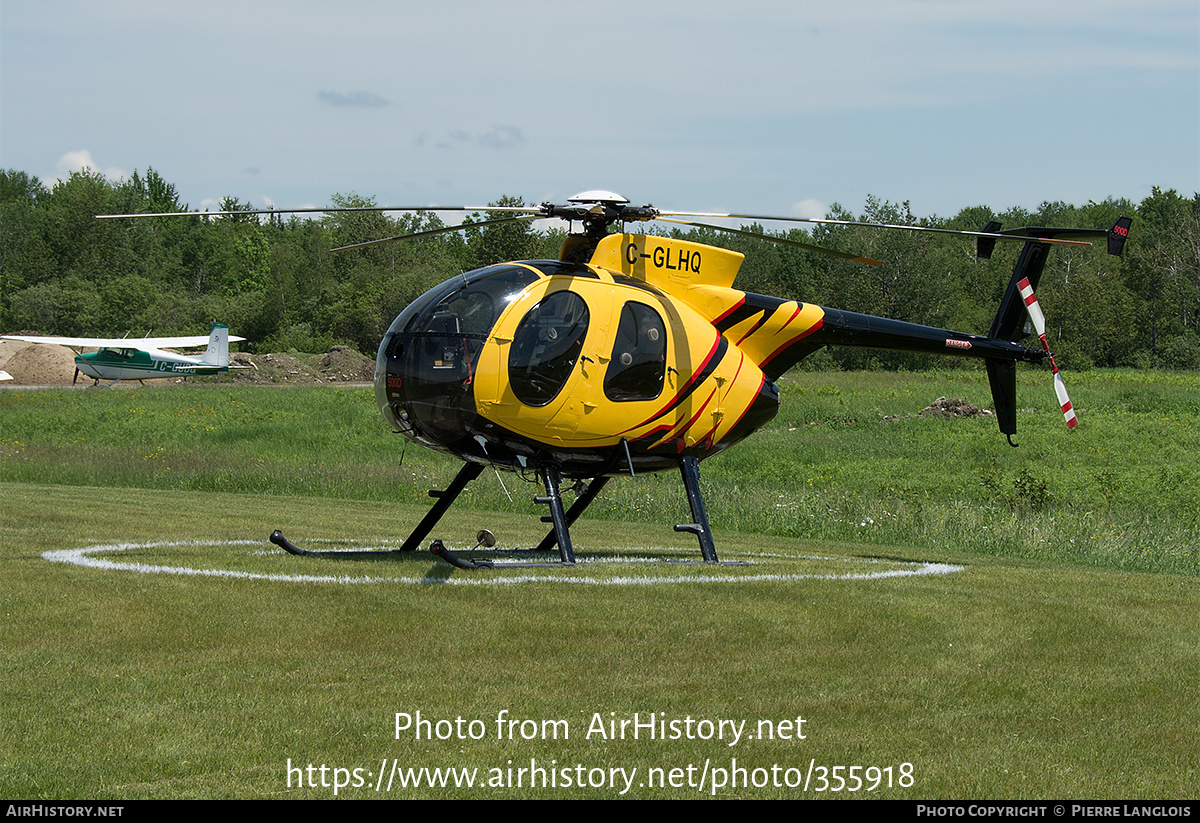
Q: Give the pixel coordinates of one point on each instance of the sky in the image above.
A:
(761, 106)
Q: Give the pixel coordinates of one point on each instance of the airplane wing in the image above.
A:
(142, 343)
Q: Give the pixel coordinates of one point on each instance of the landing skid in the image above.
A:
(561, 520)
(282, 542)
(689, 467)
(438, 549)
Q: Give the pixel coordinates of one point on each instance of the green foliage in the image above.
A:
(497, 244)
(1028, 493)
(1164, 265)
(63, 272)
(1114, 492)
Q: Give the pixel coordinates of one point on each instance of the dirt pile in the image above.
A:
(947, 409)
(36, 364)
(954, 407)
(338, 365)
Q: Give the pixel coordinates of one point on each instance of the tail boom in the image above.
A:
(843, 328)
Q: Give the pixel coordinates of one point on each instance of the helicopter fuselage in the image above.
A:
(594, 370)
(642, 356)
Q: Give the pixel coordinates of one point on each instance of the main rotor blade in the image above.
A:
(327, 210)
(443, 230)
(868, 261)
(823, 222)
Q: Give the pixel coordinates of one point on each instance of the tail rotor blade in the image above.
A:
(1060, 389)
(1035, 311)
(1039, 326)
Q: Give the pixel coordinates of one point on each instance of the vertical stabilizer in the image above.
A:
(1002, 377)
(217, 353)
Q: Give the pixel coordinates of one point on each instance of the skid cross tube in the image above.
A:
(445, 499)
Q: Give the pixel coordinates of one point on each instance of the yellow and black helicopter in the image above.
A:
(634, 353)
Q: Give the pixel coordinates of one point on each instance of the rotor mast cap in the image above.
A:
(598, 196)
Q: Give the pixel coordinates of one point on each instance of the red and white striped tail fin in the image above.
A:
(1039, 326)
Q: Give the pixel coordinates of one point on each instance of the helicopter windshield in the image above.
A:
(430, 353)
(444, 329)
(476, 299)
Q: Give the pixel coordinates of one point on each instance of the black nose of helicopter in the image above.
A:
(426, 365)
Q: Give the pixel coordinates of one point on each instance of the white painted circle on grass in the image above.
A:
(858, 568)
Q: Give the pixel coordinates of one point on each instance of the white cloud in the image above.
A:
(810, 209)
(74, 161)
(502, 137)
(498, 137)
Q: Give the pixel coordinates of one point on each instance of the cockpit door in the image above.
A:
(545, 372)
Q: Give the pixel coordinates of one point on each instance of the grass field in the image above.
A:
(1057, 657)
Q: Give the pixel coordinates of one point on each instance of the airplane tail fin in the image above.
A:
(217, 353)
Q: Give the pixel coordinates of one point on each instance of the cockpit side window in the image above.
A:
(639, 355)
(546, 347)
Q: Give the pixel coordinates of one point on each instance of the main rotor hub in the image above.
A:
(598, 209)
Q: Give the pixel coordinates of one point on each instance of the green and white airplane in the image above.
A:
(144, 359)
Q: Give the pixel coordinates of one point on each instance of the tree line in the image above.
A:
(276, 281)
